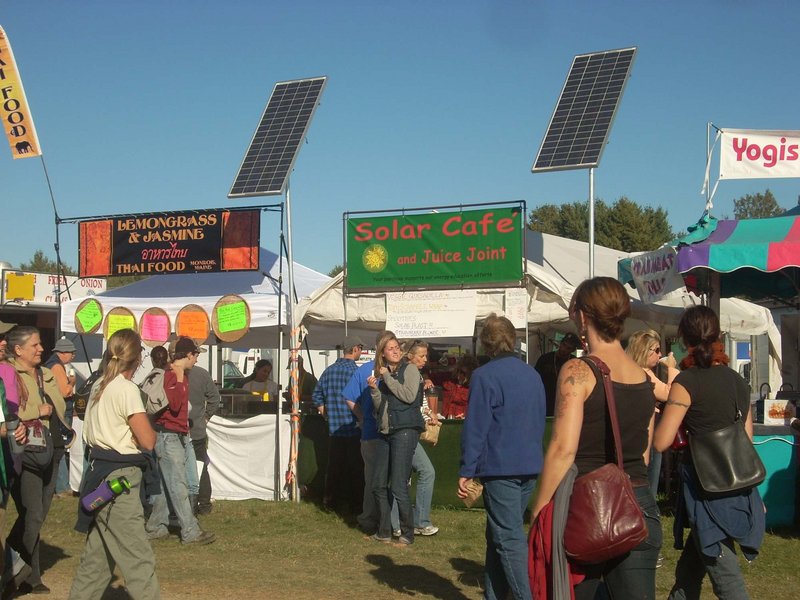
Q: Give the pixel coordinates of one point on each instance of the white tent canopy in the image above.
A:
(172, 292)
(324, 312)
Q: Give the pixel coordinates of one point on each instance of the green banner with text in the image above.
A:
(478, 248)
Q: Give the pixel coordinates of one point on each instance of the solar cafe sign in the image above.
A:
(200, 241)
(476, 248)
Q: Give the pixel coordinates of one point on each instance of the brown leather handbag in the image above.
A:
(604, 519)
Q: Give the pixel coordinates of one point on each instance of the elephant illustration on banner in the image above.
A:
(23, 147)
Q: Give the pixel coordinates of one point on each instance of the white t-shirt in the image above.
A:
(268, 386)
(106, 422)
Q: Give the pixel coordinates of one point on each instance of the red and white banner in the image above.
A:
(14, 111)
(752, 154)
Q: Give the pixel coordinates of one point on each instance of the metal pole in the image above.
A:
(294, 347)
(591, 222)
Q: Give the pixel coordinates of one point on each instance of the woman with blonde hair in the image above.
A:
(120, 439)
(645, 348)
(396, 389)
(581, 435)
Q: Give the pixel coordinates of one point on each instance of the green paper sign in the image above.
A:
(232, 317)
(89, 316)
(476, 248)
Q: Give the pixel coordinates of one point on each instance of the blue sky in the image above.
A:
(149, 106)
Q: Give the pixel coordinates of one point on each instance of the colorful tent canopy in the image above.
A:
(761, 257)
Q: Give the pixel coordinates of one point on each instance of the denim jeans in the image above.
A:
(172, 464)
(654, 471)
(633, 575)
(369, 517)
(201, 454)
(426, 476)
(723, 571)
(506, 500)
(402, 444)
(380, 486)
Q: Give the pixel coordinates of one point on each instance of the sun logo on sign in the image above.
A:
(375, 258)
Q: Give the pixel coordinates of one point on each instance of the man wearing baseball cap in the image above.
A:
(344, 479)
(172, 427)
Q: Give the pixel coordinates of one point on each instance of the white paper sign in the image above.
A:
(656, 274)
(517, 307)
(423, 315)
(749, 154)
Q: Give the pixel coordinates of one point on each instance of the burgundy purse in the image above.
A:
(604, 519)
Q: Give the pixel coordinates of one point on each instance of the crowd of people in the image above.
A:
(375, 413)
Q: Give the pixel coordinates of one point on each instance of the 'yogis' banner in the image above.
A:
(750, 154)
(14, 111)
(476, 248)
(201, 241)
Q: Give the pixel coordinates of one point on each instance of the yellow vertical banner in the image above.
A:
(14, 111)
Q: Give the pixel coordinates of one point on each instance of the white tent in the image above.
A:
(172, 292)
(324, 312)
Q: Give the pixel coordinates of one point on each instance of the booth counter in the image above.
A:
(777, 447)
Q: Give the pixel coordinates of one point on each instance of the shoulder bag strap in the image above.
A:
(605, 373)
(40, 383)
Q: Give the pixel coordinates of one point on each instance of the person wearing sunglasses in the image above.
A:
(644, 347)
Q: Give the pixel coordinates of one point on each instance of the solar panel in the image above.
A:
(582, 119)
(273, 149)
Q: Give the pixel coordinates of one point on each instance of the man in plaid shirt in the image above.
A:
(344, 478)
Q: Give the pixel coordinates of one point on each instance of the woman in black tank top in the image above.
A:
(705, 397)
(582, 432)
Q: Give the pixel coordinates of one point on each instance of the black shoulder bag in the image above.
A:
(725, 460)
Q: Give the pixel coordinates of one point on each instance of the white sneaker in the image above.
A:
(396, 533)
(427, 530)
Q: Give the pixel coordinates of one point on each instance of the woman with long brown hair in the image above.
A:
(581, 435)
(117, 431)
(39, 400)
(705, 397)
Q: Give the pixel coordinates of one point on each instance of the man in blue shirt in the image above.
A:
(344, 477)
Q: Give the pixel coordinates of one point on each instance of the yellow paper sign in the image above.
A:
(118, 322)
(20, 286)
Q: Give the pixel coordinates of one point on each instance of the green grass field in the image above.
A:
(268, 550)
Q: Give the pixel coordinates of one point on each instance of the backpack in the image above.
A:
(83, 393)
(154, 396)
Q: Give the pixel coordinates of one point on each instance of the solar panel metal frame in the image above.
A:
(266, 186)
(565, 144)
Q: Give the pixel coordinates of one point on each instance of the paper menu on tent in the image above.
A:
(431, 314)
(193, 324)
(118, 322)
(155, 327)
(516, 306)
(89, 316)
(232, 317)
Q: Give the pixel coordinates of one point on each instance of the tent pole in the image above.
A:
(294, 349)
(591, 222)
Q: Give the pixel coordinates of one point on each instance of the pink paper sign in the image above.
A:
(155, 327)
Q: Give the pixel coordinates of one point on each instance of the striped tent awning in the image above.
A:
(761, 256)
